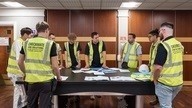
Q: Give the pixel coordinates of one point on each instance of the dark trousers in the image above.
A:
(124, 65)
(62, 101)
(130, 100)
(39, 93)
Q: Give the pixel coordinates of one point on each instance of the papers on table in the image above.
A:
(96, 78)
(121, 78)
(85, 69)
(63, 78)
(115, 69)
(124, 70)
(141, 76)
(113, 78)
(98, 73)
(121, 70)
(77, 71)
(90, 71)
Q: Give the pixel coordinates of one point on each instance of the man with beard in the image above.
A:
(168, 66)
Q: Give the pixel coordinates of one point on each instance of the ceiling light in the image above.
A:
(12, 4)
(130, 4)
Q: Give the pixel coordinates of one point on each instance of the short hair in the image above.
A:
(154, 32)
(42, 26)
(93, 34)
(51, 34)
(26, 30)
(167, 24)
(134, 36)
(72, 36)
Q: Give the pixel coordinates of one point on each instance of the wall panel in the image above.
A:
(58, 21)
(140, 22)
(105, 22)
(145, 47)
(82, 22)
(184, 24)
(187, 70)
(163, 16)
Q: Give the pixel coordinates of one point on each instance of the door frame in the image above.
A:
(10, 23)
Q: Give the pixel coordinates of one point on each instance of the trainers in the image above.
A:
(155, 102)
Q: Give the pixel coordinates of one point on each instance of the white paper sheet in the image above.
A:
(121, 78)
(115, 69)
(98, 73)
(77, 71)
(90, 71)
(85, 69)
(124, 70)
(96, 78)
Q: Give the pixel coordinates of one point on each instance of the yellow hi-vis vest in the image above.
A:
(37, 60)
(132, 63)
(66, 44)
(13, 67)
(152, 54)
(91, 52)
(172, 72)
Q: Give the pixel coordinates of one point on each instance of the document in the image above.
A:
(77, 71)
(115, 69)
(85, 69)
(99, 73)
(124, 70)
(121, 78)
(90, 71)
(96, 78)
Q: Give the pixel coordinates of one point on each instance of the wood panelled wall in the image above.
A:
(83, 23)
(142, 22)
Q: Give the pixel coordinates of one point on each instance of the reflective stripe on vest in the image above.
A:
(38, 72)
(12, 62)
(132, 59)
(152, 54)
(172, 72)
(100, 49)
(76, 44)
(37, 60)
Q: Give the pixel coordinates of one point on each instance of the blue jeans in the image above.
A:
(166, 94)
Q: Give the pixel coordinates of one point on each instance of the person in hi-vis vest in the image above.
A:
(14, 73)
(95, 52)
(59, 52)
(131, 57)
(131, 53)
(153, 38)
(72, 52)
(168, 66)
(38, 61)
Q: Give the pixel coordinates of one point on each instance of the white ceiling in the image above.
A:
(105, 4)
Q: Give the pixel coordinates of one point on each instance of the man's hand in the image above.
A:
(78, 66)
(155, 81)
(59, 78)
(61, 66)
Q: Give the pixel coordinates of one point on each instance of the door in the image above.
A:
(5, 31)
